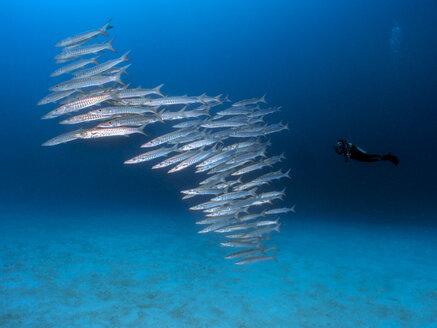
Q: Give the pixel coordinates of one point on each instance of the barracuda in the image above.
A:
(78, 105)
(88, 117)
(75, 65)
(98, 80)
(193, 160)
(84, 36)
(100, 68)
(123, 110)
(129, 120)
(138, 92)
(110, 132)
(55, 96)
(227, 143)
(151, 155)
(85, 50)
(174, 160)
(167, 137)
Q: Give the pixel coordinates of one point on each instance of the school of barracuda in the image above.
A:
(229, 144)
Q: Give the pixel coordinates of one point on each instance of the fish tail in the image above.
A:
(109, 45)
(124, 56)
(277, 227)
(124, 71)
(293, 209)
(157, 90)
(287, 174)
(118, 78)
(263, 153)
(274, 255)
(141, 129)
(106, 27)
(95, 62)
(253, 192)
(114, 95)
(263, 99)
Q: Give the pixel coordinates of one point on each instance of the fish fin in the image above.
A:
(287, 174)
(141, 129)
(253, 192)
(286, 127)
(157, 90)
(263, 99)
(106, 27)
(124, 56)
(95, 60)
(202, 99)
(268, 164)
(277, 227)
(263, 153)
(118, 78)
(274, 255)
(114, 95)
(207, 113)
(109, 45)
(159, 115)
(218, 99)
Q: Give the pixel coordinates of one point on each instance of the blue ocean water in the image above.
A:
(88, 242)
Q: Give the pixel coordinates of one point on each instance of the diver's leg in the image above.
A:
(391, 158)
(371, 158)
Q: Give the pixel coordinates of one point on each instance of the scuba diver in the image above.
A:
(351, 151)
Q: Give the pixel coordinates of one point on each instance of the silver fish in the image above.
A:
(167, 137)
(138, 92)
(128, 120)
(55, 96)
(84, 36)
(98, 80)
(101, 68)
(63, 138)
(249, 252)
(85, 50)
(252, 101)
(78, 105)
(256, 259)
(151, 155)
(281, 210)
(75, 65)
(174, 160)
(109, 132)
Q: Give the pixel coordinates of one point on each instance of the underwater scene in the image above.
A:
(218, 164)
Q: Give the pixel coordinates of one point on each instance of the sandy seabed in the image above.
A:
(152, 270)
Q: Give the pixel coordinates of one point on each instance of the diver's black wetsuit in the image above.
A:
(351, 151)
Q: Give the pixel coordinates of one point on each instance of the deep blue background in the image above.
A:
(328, 63)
